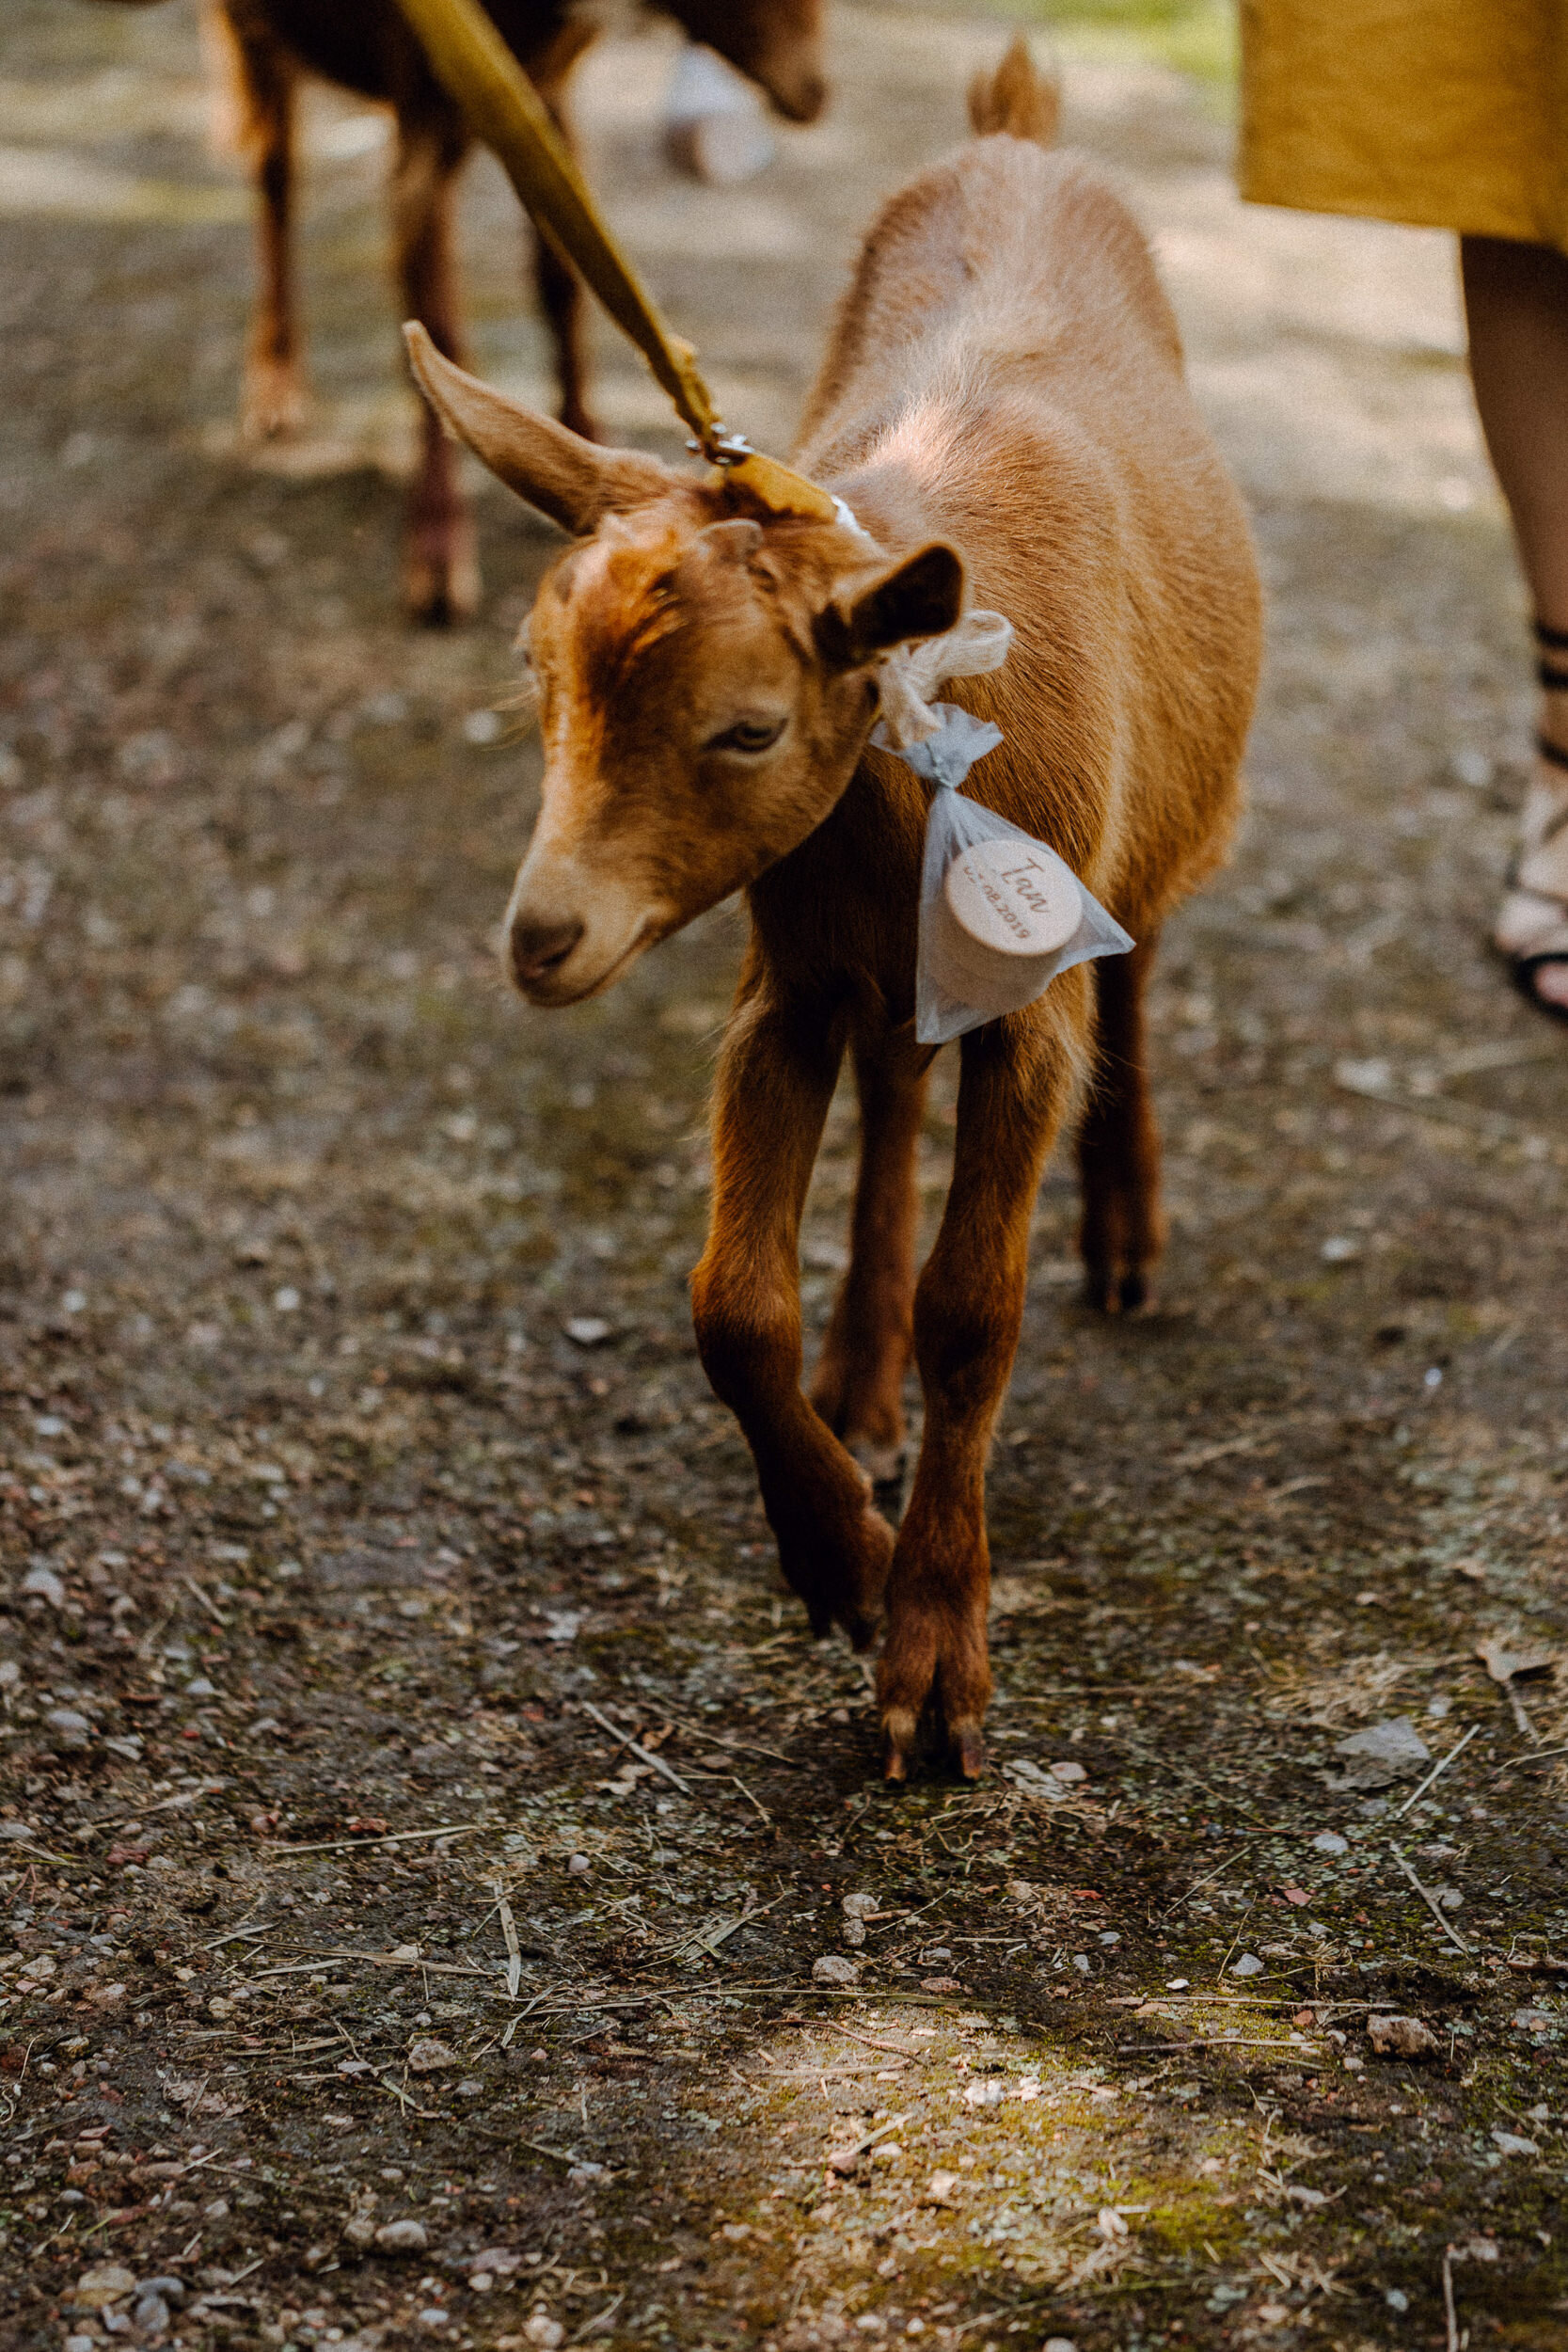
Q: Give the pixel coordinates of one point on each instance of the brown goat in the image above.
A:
(261, 47)
(1003, 401)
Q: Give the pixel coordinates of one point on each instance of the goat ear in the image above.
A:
(572, 481)
(920, 595)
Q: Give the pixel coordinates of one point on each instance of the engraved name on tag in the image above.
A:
(1010, 901)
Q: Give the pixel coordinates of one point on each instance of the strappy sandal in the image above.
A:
(1532, 929)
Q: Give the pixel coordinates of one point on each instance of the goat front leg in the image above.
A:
(1123, 1228)
(968, 1311)
(776, 1079)
(858, 1388)
(440, 566)
(256, 80)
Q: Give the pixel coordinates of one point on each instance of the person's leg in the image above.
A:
(1516, 303)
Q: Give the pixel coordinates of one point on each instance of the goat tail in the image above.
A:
(1017, 100)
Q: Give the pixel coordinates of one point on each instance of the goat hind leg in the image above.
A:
(968, 1308)
(859, 1387)
(440, 566)
(1122, 1232)
(561, 289)
(776, 1078)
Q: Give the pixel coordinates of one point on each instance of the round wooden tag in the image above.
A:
(1010, 901)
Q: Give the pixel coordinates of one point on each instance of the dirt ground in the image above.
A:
(422, 1814)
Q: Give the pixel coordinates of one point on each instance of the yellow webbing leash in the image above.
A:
(477, 69)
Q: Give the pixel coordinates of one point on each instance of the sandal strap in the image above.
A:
(1551, 676)
(1555, 640)
(1558, 757)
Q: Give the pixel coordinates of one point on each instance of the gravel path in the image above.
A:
(422, 1820)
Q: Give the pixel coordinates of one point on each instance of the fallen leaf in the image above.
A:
(1401, 2037)
(1506, 1665)
(1387, 1752)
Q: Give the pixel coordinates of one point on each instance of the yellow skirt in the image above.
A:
(1452, 114)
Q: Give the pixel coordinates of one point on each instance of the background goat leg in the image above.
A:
(1123, 1228)
(441, 565)
(257, 83)
(776, 1079)
(1014, 1088)
(859, 1387)
(562, 296)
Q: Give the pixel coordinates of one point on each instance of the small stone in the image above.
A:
(1401, 2037)
(172, 2290)
(81, 2343)
(1069, 1773)
(1514, 2144)
(544, 2332)
(71, 1729)
(940, 1984)
(46, 1584)
(1397, 2299)
(150, 2315)
(471, 2088)
(1330, 1841)
(578, 1866)
(586, 2172)
(830, 1968)
(940, 2188)
(586, 1331)
(403, 2237)
(360, 2229)
(1248, 1965)
(1060, 2343)
(426, 2055)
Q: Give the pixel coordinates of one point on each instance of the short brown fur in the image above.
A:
(1002, 402)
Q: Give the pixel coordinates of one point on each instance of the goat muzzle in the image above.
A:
(537, 949)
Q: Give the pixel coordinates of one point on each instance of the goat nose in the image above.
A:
(537, 948)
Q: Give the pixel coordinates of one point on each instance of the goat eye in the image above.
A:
(748, 735)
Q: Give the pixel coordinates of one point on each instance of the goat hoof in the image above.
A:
(440, 577)
(969, 1750)
(899, 1736)
(274, 404)
(1108, 1293)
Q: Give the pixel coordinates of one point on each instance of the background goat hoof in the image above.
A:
(275, 403)
(1130, 1291)
(884, 1466)
(441, 586)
